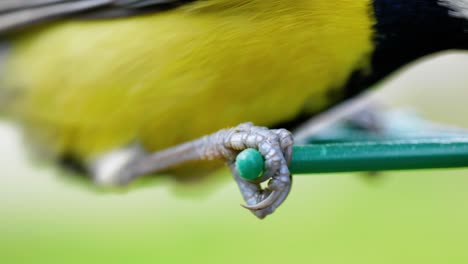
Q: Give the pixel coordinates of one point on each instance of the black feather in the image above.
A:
(406, 30)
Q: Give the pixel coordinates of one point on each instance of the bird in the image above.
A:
(129, 87)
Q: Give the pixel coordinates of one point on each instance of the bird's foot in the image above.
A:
(275, 145)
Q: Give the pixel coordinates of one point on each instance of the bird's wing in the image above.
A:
(16, 14)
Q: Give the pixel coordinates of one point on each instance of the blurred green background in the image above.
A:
(401, 217)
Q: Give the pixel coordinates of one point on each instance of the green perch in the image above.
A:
(365, 156)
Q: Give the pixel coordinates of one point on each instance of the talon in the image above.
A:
(276, 147)
(265, 203)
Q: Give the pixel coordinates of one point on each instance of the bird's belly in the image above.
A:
(87, 87)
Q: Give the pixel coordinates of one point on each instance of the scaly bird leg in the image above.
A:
(121, 166)
(275, 145)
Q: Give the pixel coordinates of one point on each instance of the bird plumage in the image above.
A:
(84, 87)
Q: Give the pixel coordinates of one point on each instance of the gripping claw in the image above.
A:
(275, 146)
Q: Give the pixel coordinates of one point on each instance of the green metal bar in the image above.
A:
(374, 156)
(379, 156)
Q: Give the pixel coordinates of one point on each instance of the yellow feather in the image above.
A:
(168, 77)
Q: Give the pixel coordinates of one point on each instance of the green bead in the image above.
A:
(249, 164)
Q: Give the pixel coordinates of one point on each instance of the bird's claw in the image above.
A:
(269, 200)
(276, 147)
